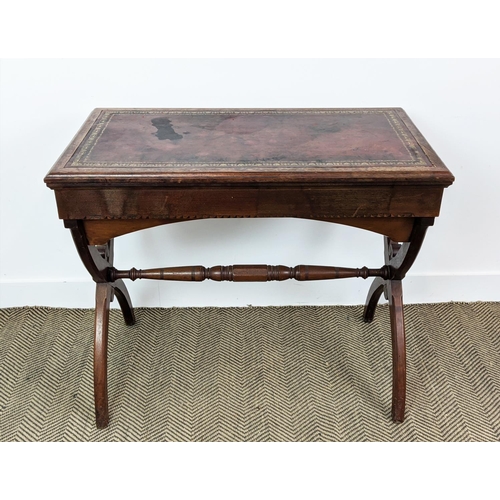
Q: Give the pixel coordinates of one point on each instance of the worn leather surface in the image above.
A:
(218, 138)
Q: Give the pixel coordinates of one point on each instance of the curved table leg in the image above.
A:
(395, 293)
(123, 297)
(98, 260)
(372, 300)
(102, 300)
(398, 259)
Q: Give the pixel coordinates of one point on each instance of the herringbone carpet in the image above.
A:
(252, 374)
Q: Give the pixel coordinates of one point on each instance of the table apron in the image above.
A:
(184, 203)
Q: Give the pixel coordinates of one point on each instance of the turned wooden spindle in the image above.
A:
(260, 272)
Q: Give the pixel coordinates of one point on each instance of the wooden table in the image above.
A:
(131, 169)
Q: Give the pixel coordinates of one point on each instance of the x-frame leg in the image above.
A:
(399, 259)
(99, 260)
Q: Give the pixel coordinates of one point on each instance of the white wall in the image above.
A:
(454, 103)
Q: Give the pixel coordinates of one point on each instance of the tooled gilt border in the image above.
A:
(98, 130)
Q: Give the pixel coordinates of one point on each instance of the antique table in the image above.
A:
(130, 169)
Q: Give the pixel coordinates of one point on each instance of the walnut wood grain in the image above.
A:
(320, 202)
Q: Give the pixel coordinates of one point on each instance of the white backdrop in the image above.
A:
(455, 104)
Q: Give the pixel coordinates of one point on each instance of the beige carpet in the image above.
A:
(252, 374)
